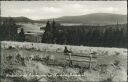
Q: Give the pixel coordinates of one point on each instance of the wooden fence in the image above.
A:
(90, 59)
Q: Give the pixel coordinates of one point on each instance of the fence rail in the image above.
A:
(89, 60)
(83, 56)
(80, 60)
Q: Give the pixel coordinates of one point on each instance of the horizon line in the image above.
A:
(61, 16)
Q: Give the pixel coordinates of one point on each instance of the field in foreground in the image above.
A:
(38, 62)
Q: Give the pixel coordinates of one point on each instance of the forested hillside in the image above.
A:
(108, 35)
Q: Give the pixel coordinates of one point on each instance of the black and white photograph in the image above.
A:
(63, 41)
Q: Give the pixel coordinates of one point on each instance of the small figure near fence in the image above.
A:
(68, 53)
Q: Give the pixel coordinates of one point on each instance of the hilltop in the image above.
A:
(95, 18)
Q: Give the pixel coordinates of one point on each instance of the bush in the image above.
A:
(116, 62)
(19, 79)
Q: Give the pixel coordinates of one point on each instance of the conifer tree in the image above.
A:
(8, 30)
(47, 36)
(21, 35)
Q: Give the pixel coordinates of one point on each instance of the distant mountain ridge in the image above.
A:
(95, 18)
(21, 20)
(17, 19)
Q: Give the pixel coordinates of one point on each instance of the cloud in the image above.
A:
(51, 9)
(44, 10)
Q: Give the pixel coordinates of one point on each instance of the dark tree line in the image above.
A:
(96, 37)
(9, 31)
(51, 33)
(106, 36)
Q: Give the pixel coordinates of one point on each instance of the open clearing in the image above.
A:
(111, 63)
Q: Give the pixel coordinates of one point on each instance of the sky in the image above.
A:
(54, 9)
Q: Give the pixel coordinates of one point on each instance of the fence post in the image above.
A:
(90, 62)
(70, 61)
